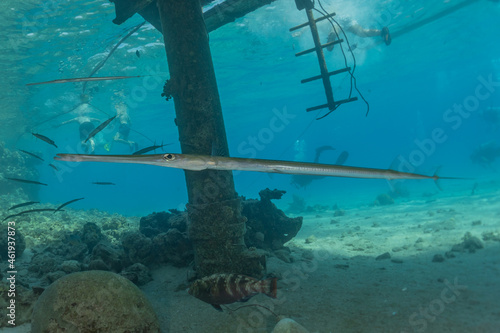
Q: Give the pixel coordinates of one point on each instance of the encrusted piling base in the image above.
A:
(218, 241)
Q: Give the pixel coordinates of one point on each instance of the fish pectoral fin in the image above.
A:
(217, 307)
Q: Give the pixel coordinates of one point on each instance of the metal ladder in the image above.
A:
(318, 47)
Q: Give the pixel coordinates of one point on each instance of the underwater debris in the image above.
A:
(264, 218)
(44, 138)
(220, 289)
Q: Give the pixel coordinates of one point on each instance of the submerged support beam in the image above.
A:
(216, 225)
(215, 17)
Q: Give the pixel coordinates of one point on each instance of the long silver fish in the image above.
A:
(85, 79)
(150, 148)
(99, 128)
(205, 162)
(44, 138)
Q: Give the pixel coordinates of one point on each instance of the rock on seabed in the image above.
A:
(288, 325)
(93, 301)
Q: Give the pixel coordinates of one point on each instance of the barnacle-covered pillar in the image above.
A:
(216, 225)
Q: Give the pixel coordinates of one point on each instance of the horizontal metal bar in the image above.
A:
(307, 23)
(317, 77)
(314, 49)
(337, 103)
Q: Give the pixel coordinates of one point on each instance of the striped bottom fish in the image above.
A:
(220, 289)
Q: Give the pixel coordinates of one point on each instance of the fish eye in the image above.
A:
(169, 157)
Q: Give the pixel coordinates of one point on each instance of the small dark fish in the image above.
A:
(24, 204)
(150, 148)
(103, 183)
(26, 181)
(85, 79)
(220, 289)
(99, 128)
(44, 138)
(30, 211)
(31, 154)
(53, 167)
(37, 210)
(66, 203)
(137, 53)
(342, 158)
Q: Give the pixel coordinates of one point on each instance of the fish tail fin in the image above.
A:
(437, 178)
(269, 287)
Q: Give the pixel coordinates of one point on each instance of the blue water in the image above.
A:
(410, 85)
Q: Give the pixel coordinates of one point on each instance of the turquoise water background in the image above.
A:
(410, 85)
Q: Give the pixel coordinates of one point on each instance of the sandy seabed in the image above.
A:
(335, 283)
